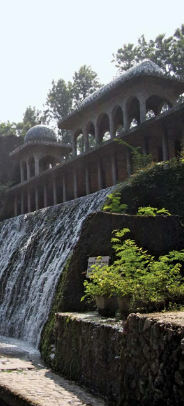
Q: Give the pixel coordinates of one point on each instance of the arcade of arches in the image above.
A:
(142, 111)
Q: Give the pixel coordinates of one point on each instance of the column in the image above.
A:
(22, 202)
(64, 189)
(45, 195)
(126, 123)
(86, 139)
(54, 192)
(74, 145)
(142, 104)
(75, 184)
(29, 200)
(100, 182)
(36, 166)
(15, 206)
(87, 178)
(28, 170)
(21, 173)
(165, 146)
(111, 126)
(182, 139)
(97, 134)
(145, 146)
(36, 198)
(114, 169)
(129, 161)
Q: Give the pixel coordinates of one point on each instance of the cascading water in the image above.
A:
(33, 250)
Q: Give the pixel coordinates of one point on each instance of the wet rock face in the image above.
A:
(139, 364)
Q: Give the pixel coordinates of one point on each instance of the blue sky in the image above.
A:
(43, 40)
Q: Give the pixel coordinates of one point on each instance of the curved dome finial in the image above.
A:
(42, 133)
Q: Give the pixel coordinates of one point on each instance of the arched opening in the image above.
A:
(31, 164)
(79, 138)
(24, 170)
(91, 134)
(118, 120)
(133, 112)
(47, 162)
(157, 105)
(104, 129)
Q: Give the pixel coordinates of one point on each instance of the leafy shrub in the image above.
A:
(152, 211)
(138, 275)
(114, 205)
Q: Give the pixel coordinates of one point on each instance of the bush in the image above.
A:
(138, 275)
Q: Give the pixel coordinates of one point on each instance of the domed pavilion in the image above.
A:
(40, 152)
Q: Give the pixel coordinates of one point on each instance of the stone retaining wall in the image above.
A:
(140, 363)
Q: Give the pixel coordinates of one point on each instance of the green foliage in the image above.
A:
(137, 274)
(85, 82)
(114, 205)
(64, 97)
(31, 117)
(7, 128)
(139, 160)
(167, 53)
(152, 211)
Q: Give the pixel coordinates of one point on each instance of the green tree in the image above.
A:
(7, 128)
(166, 52)
(64, 97)
(85, 82)
(31, 117)
(59, 105)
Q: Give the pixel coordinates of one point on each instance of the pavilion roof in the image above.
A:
(146, 67)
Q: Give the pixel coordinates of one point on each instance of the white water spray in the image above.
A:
(33, 251)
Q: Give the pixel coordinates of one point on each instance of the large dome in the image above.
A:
(40, 133)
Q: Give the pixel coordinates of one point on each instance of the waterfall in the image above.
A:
(33, 251)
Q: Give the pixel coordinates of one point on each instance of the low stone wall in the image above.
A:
(140, 363)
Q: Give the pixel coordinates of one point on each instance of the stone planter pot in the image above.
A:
(124, 305)
(107, 306)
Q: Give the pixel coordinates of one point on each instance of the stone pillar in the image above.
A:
(126, 123)
(165, 152)
(54, 192)
(97, 134)
(36, 166)
(36, 198)
(21, 173)
(145, 146)
(129, 161)
(22, 202)
(86, 139)
(74, 145)
(87, 178)
(142, 110)
(114, 169)
(45, 195)
(111, 126)
(75, 189)
(64, 189)
(15, 206)
(100, 182)
(182, 139)
(29, 200)
(28, 170)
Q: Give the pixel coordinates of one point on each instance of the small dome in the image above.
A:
(40, 133)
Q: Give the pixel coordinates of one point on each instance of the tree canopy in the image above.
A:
(64, 97)
(166, 52)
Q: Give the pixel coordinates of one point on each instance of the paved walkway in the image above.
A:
(23, 384)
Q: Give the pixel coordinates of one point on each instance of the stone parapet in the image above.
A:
(138, 363)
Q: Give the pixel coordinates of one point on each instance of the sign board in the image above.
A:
(101, 261)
